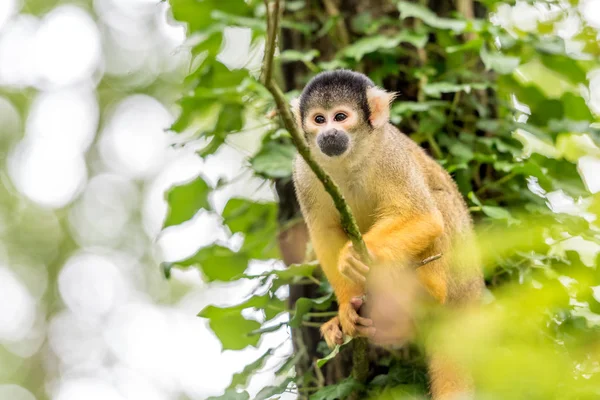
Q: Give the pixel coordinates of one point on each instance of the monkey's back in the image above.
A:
(460, 258)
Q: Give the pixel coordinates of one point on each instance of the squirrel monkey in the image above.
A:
(405, 204)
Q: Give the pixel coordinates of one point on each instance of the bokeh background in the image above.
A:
(87, 92)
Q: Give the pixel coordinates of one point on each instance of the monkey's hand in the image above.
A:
(353, 324)
(351, 266)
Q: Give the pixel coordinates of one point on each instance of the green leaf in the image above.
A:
(274, 160)
(166, 269)
(575, 107)
(474, 44)
(334, 352)
(258, 223)
(533, 144)
(186, 200)
(304, 305)
(256, 24)
(409, 107)
(233, 331)
(230, 327)
(218, 263)
(231, 394)
(243, 215)
(461, 151)
(218, 312)
(214, 144)
(295, 55)
(338, 391)
(574, 146)
(429, 17)
(297, 270)
(241, 379)
(496, 212)
(499, 62)
(566, 66)
(474, 198)
(372, 44)
(199, 14)
(435, 89)
(271, 391)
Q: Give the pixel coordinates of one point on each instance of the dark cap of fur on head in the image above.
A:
(336, 87)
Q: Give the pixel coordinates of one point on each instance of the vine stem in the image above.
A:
(360, 365)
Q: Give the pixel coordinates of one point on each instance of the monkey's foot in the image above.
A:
(332, 332)
(353, 324)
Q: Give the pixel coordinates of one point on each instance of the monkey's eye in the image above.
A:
(339, 117)
(319, 119)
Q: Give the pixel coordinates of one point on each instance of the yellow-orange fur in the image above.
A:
(407, 207)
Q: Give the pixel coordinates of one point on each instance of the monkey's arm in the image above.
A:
(398, 238)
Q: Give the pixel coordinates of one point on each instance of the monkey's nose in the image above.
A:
(333, 142)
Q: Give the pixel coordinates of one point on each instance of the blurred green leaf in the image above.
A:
(337, 391)
(429, 17)
(499, 62)
(270, 391)
(233, 331)
(231, 394)
(241, 379)
(294, 55)
(186, 200)
(274, 160)
(334, 352)
(218, 263)
(304, 305)
(496, 212)
(371, 44)
(258, 223)
(435, 89)
(199, 14)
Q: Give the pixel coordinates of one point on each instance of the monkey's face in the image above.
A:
(332, 130)
(339, 111)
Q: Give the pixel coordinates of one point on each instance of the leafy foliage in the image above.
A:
(500, 107)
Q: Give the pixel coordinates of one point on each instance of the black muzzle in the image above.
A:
(333, 142)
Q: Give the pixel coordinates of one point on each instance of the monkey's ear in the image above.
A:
(295, 103)
(379, 104)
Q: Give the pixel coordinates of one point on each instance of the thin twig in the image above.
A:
(272, 28)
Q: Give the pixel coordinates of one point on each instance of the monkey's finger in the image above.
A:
(359, 266)
(354, 276)
(356, 302)
(364, 321)
(339, 337)
(366, 332)
(334, 337)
